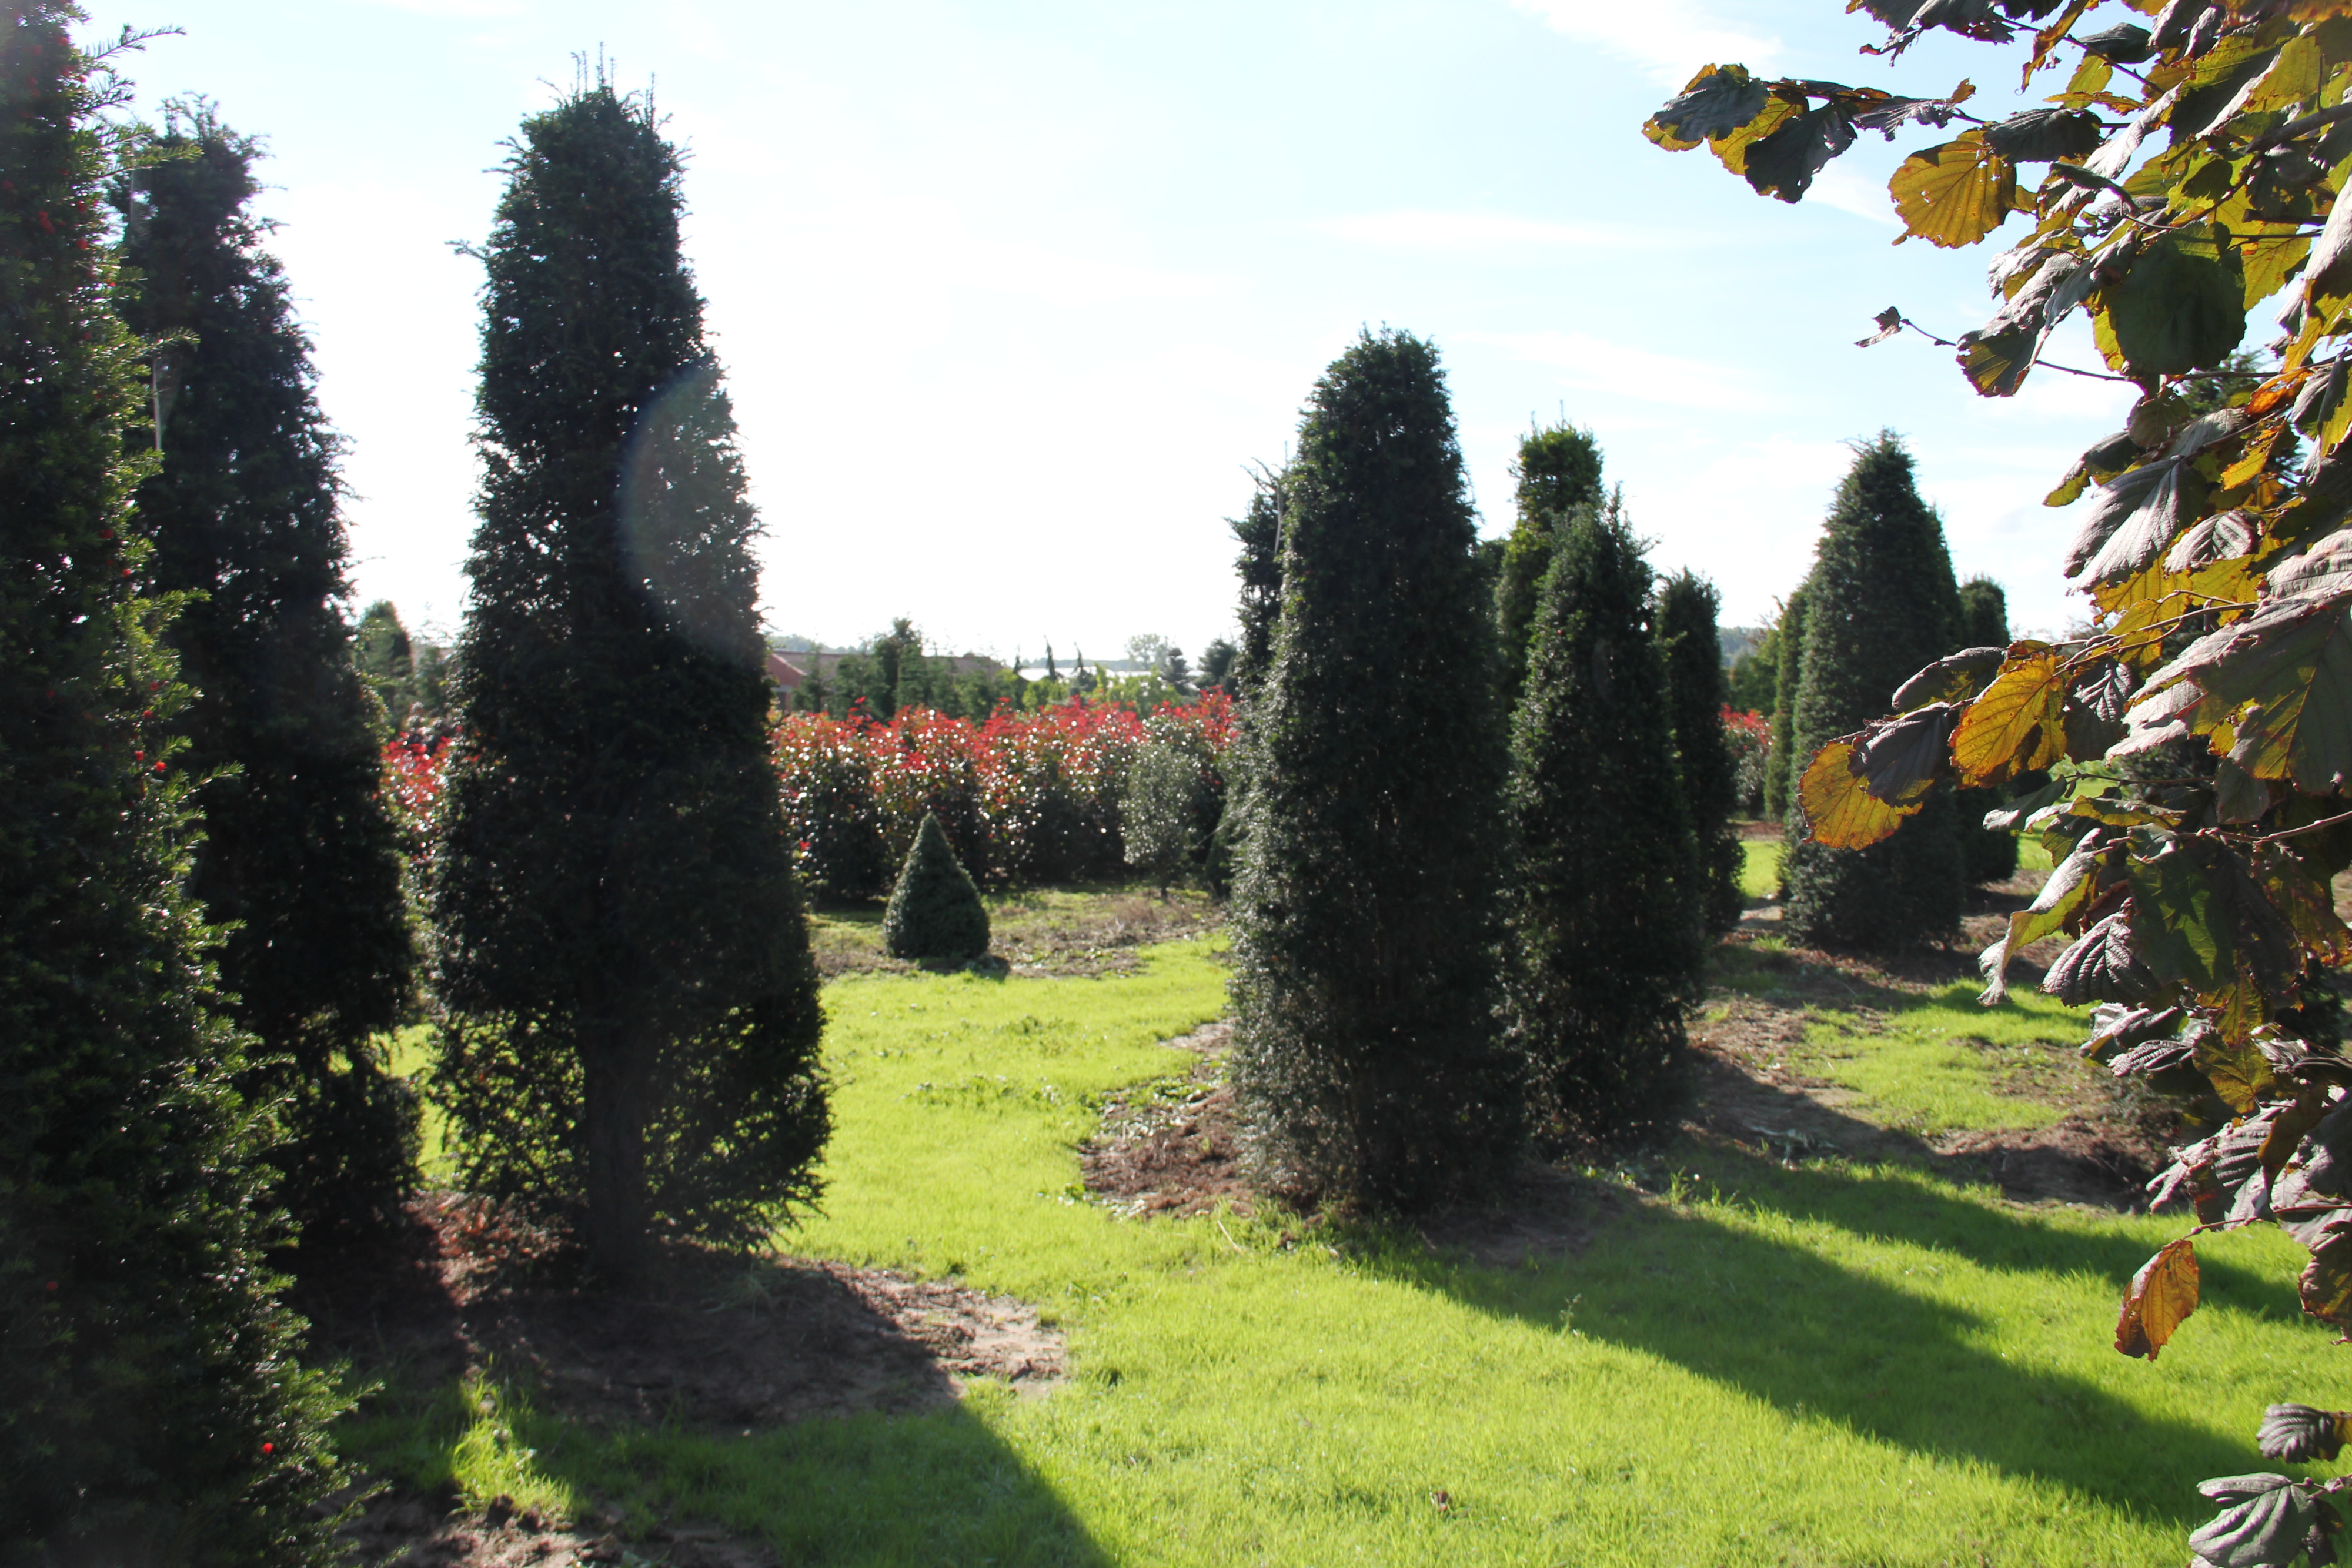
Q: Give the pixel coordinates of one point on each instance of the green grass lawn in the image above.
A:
(1926, 1064)
(1820, 1365)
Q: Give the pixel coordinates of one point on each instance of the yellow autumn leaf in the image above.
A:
(2162, 1295)
(2017, 726)
(2224, 582)
(1956, 194)
(1839, 812)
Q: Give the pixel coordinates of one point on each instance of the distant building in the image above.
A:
(787, 674)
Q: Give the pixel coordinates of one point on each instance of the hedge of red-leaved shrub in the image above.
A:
(1024, 798)
(1750, 736)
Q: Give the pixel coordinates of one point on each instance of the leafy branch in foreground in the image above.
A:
(2197, 736)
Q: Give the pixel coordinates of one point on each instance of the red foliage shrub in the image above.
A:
(1024, 796)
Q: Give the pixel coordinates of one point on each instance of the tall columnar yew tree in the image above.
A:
(1987, 854)
(1683, 619)
(1258, 531)
(300, 859)
(632, 1011)
(1791, 656)
(1606, 898)
(150, 1406)
(1366, 1049)
(1881, 606)
(1558, 470)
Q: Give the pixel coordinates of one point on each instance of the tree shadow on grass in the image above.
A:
(1813, 1337)
(811, 1409)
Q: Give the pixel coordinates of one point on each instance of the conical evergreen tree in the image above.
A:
(151, 1409)
(1558, 470)
(1366, 1053)
(1881, 606)
(935, 911)
(1792, 653)
(386, 659)
(1986, 855)
(633, 1012)
(1607, 901)
(1258, 531)
(1984, 615)
(300, 858)
(1684, 620)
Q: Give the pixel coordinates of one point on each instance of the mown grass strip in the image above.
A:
(1829, 1363)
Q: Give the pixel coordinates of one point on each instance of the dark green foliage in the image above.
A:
(1881, 606)
(1366, 1053)
(935, 911)
(151, 1409)
(1606, 898)
(300, 859)
(1790, 654)
(1754, 676)
(1984, 615)
(631, 1010)
(891, 672)
(891, 654)
(411, 679)
(1684, 622)
(1170, 809)
(385, 658)
(1558, 470)
(1217, 663)
(1259, 531)
(1986, 855)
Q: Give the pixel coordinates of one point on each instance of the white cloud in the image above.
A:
(477, 9)
(1852, 190)
(1671, 37)
(1625, 371)
(1412, 229)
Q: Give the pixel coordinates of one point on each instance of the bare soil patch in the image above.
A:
(1175, 1155)
(417, 1532)
(720, 1343)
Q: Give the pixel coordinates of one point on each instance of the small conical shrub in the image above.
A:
(935, 911)
(1880, 607)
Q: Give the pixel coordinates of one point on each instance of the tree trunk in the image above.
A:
(616, 1061)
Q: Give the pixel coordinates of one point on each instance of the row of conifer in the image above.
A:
(1447, 940)
(1462, 929)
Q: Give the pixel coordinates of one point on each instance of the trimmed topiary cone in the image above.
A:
(935, 911)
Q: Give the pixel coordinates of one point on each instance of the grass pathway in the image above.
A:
(1763, 1365)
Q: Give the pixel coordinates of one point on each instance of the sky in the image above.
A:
(1011, 295)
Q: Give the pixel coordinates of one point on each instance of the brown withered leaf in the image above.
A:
(2287, 1133)
(2326, 1283)
(2162, 1295)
